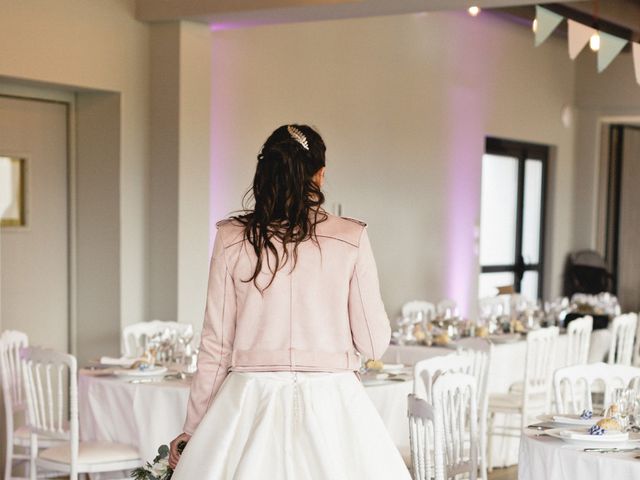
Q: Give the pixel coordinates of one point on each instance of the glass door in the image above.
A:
(512, 217)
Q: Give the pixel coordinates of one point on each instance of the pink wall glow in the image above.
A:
(466, 146)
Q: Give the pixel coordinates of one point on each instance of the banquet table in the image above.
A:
(505, 369)
(550, 458)
(151, 413)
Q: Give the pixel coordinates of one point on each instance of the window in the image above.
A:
(512, 217)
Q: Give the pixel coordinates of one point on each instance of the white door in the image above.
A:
(34, 271)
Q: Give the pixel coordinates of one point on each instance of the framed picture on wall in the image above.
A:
(13, 191)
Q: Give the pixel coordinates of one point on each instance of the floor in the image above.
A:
(510, 473)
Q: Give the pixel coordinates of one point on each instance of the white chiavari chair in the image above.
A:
(480, 356)
(636, 347)
(535, 396)
(421, 430)
(456, 426)
(135, 336)
(579, 337)
(428, 309)
(623, 331)
(446, 307)
(11, 342)
(426, 371)
(494, 306)
(573, 385)
(50, 381)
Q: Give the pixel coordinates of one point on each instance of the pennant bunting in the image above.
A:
(635, 49)
(610, 47)
(546, 23)
(579, 36)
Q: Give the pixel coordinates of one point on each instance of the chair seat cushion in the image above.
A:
(505, 401)
(22, 438)
(91, 452)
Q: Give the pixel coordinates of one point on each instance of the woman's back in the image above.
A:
(314, 316)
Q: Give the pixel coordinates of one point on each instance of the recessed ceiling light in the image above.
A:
(594, 42)
(473, 11)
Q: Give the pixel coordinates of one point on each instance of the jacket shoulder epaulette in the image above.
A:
(223, 222)
(355, 220)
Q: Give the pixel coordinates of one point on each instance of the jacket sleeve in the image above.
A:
(218, 332)
(369, 322)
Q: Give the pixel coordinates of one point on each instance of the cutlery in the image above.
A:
(610, 450)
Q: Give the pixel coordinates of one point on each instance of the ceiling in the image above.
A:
(619, 17)
(240, 13)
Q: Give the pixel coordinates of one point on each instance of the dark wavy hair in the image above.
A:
(287, 202)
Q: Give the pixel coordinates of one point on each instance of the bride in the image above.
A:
(293, 303)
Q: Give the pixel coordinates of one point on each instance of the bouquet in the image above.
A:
(159, 469)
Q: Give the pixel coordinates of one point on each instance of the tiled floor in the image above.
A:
(510, 473)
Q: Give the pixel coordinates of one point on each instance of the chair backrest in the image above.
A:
(421, 431)
(494, 306)
(572, 385)
(426, 371)
(447, 307)
(538, 372)
(11, 341)
(135, 336)
(480, 356)
(50, 378)
(456, 426)
(579, 336)
(636, 347)
(416, 306)
(623, 331)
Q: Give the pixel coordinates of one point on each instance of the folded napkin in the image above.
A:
(575, 420)
(580, 434)
(122, 361)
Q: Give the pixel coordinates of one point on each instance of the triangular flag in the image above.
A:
(546, 23)
(610, 47)
(635, 49)
(579, 36)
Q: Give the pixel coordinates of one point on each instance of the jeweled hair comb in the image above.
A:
(298, 136)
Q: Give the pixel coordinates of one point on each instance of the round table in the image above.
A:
(552, 459)
(506, 368)
(151, 413)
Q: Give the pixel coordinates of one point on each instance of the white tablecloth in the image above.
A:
(543, 457)
(148, 415)
(505, 369)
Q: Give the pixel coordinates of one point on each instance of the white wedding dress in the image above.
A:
(291, 426)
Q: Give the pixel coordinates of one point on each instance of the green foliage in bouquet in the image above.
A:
(159, 469)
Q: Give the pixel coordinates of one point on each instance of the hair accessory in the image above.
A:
(298, 136)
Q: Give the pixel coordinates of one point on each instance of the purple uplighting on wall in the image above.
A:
(466, 145)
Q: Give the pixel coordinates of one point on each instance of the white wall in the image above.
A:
(610, 96)
(98, 46)
(404, 104)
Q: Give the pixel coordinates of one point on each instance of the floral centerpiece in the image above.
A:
(159, 469)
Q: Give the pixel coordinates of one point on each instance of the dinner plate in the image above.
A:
(580, 436)
(505, 338)
(569, 419)
(393, 367)
(148, 372)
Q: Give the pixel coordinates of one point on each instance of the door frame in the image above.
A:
(523, 150)
(68, 99)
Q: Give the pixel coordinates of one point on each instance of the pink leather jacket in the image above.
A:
(319, 317)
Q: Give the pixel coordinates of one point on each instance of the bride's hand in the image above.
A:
(174, 454)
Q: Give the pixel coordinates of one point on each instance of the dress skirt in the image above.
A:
(291, 426)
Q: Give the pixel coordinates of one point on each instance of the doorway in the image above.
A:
(513, 199)
(622, 227)
(34, 255)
